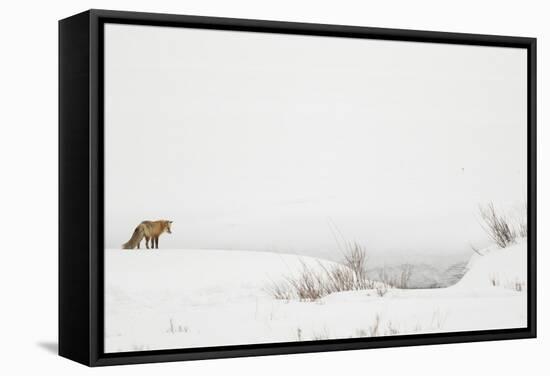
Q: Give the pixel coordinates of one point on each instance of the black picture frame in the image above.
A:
(81, 186)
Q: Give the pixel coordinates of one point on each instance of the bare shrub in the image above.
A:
(352, 275)
(280, 291)
(339, 278)
(311, 284)
(497, 226)
(355, 258)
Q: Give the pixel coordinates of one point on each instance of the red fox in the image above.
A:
(148, 230)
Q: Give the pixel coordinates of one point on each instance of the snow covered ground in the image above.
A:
(164, 299)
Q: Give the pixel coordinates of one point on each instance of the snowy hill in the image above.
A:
(165, 299)
(497, 267)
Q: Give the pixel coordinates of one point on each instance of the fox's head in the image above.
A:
(167, 225)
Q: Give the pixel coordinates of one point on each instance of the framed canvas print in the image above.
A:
(234, 187)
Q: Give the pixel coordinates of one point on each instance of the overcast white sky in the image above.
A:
(260, 141)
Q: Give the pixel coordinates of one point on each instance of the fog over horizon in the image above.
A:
(283, 143)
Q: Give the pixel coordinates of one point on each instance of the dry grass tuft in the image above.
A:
(499, 227)
(314, 283)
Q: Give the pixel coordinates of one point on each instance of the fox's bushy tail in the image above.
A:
(135, 239)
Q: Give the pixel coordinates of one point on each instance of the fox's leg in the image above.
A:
(147, 242)
(156, 242)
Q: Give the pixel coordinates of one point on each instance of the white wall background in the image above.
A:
(28, 160)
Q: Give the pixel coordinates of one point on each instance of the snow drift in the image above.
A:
(163, 299)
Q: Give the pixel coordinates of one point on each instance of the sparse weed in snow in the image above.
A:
(375, 327)
(391, 330)
(320, 336)
(180, 329)
(355, 258)
(309, 285)
(378, 328)
(499, 227)
(515, 285)
(299, 334)
(280, 291)
(313, 283)
(519, 286)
